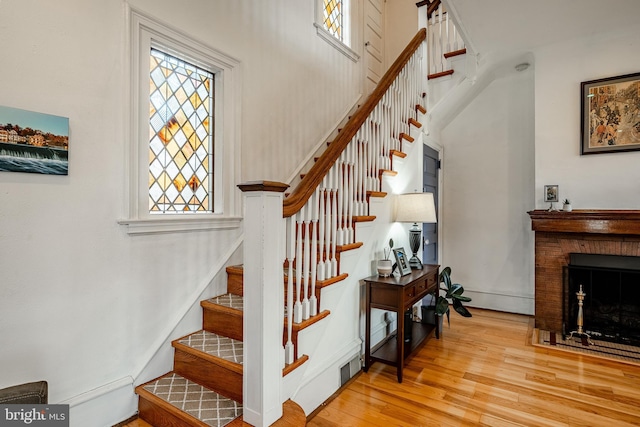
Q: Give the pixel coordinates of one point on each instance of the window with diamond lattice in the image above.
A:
(181, 137)
(333, 18)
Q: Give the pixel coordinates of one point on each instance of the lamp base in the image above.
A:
(415, 234)
(415, 263)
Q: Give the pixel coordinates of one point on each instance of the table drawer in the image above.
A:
(410, 291)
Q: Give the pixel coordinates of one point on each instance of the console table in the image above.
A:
(398, 294)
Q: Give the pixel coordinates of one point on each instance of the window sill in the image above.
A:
(178, 224)
(343, 48)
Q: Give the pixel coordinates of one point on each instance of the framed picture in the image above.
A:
(33, 142)
(550, 193)
(402, 262)
(610, 115)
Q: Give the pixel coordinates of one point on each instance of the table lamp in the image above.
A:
(415, 208)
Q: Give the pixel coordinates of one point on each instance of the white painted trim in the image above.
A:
(103, 406)
(143, 32)
(182, 312)
(168, 224)
(502, 301)
(342, 48)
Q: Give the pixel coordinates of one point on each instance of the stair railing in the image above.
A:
(320, 212)
(314, 225)
(444, 38)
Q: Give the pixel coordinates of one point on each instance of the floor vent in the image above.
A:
(349, 370)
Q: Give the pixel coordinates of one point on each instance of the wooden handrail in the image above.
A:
(313, 178)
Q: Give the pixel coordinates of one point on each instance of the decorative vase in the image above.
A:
(384, 267)
(567, 207)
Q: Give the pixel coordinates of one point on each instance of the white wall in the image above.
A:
(401, 25)
(487, 190)
(600, 181)
(83, 304)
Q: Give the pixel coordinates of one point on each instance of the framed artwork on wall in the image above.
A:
(610, 114)
(402, 262)
(33, 142)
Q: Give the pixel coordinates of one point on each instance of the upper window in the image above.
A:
(333, 18)
(184, 146)
(334, 24)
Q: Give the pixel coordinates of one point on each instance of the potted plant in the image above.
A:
(384, 265)
(453, 293)
(567, 205)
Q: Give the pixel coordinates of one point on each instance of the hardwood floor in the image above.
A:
(484, 372)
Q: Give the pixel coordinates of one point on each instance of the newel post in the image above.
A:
(263, 256)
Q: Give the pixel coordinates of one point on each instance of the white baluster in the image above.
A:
(313, 302)
(327, 224)
(448, 44)
(349, 193)
(321, 220)
(334, 221)
(297, 307)
(291, 247)
(441, 55)
(306, 266)
(340, 189)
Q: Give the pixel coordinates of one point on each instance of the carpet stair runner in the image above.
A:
(205, 386)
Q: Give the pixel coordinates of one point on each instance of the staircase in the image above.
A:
(320, 217)
(205, 386)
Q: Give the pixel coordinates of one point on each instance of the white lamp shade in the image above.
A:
(415, 207)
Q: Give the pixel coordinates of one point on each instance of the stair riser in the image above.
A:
(222, 323)
(234, 281)
(214, 377)
(159, 417)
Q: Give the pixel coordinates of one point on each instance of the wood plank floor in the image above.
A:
(485, 372)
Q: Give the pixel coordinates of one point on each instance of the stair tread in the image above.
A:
(215, 345)
(194, 399)
(228, 300)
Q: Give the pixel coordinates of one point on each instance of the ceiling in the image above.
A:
(518, 26)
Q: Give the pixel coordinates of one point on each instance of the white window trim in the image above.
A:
(146, 32)
(343, 47)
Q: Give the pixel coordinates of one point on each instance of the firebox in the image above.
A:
(611, 306)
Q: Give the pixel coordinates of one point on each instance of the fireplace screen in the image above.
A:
(611, 306)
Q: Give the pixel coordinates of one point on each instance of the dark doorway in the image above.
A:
(430, 168)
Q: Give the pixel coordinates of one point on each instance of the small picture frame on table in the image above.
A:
(550, 193)
(402, 262)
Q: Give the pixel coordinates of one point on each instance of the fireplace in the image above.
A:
(558, 235)
(610, 298)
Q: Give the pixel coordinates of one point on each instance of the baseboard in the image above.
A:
(511, 303)
(322, 380)
(103, 406)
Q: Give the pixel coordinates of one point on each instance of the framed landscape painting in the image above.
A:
(610, 110)
(33, 142)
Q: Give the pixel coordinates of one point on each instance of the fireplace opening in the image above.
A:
(611, 306)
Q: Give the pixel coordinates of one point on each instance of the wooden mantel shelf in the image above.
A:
(625, 222)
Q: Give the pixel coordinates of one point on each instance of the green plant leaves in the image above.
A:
(454, 293)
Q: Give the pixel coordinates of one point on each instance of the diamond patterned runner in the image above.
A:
(196, 400)
(228, 300)
(215, 345)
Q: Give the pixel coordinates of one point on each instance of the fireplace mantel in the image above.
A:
(558, 234)
(625, 222)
